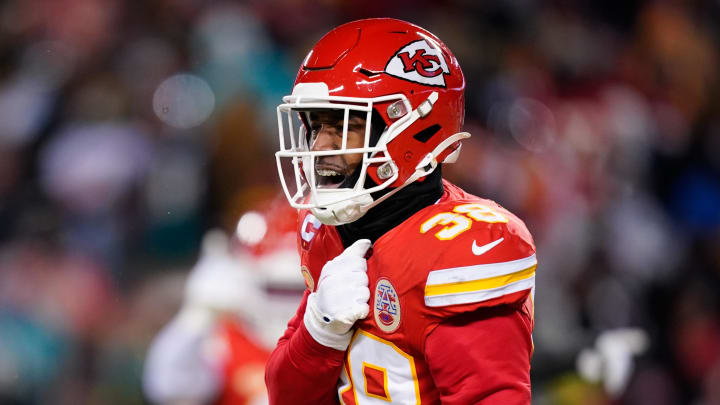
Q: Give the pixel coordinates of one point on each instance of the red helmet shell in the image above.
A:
(277, 230)
(383, 56)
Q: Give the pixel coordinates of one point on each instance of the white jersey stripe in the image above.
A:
(479, 271)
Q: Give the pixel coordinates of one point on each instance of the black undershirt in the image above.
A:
(393, 211)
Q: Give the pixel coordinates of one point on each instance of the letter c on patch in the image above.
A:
(309, 226)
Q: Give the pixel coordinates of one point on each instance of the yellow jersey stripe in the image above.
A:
(479, 285)
(479, 296)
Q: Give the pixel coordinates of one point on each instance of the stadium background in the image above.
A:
(596, 122)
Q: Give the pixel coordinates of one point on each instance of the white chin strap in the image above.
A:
(352, 209)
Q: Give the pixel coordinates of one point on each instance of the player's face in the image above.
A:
(326, 134)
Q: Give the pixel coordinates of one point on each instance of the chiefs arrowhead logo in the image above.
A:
(419, 62)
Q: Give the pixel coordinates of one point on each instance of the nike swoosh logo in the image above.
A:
(479, 250)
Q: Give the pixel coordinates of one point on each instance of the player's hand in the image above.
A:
(341, 297)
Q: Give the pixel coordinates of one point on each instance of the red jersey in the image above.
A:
(244, 368)
(451, 312)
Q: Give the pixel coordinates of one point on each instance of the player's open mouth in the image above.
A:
(329, 176)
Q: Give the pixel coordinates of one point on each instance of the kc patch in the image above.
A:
(419, 62)
(387, 306)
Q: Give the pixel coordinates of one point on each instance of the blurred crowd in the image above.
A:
(129, 128)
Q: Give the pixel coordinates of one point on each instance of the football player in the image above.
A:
(238, 298)
(418, 292)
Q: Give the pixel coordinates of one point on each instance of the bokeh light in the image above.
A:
(183, 101)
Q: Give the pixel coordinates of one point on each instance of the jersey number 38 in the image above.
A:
(461, 219)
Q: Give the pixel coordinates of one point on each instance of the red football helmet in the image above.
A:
(266, 242)
(385, 70)
(270, 228)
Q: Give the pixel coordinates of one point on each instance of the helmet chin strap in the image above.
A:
(350, 210)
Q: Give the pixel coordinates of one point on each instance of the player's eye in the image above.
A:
(357, 127)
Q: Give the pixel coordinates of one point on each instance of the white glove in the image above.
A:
(341, 297)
